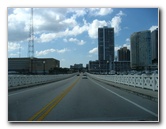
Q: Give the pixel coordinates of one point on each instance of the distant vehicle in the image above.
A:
(84, 76)
(78, 74)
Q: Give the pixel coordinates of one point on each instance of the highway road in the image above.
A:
(79, 99)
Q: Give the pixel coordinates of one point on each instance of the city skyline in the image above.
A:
(70, 34)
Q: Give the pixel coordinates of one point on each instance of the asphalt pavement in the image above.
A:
(79, 99)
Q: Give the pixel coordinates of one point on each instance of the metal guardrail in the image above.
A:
(142, 81)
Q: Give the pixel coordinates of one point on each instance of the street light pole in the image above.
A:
(31, 61)
(107, 66)
(44, 67)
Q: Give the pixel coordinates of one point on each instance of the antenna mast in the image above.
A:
(31, 37)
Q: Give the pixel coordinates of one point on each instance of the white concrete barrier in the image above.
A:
(15, 81)
(142, 81)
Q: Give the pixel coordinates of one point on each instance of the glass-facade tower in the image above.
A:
(105, 48)
(140, 54)
(106, 43)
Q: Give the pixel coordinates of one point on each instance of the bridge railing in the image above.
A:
(142, 81)
(27, 80)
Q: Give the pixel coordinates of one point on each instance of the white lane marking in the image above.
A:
(22, 91)
(143, 108)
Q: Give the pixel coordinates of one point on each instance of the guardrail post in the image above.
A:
(153, 83)
(142, 81)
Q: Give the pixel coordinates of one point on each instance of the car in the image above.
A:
(84, 76)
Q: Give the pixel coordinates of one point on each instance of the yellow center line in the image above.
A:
(41, 114)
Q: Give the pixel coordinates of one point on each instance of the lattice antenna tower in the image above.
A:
(31, 37)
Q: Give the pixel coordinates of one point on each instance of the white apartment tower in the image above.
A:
(154, 42)
(140, 54)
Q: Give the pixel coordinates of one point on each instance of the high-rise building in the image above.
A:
(124, 54)
(106, 43)
(105, 48)
(154, 42)
(140, 53)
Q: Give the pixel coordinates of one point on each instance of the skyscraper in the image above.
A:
(105, 47)
(106, 43)
(154, 42)
(140, 53)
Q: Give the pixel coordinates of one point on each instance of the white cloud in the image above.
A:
(19, 15)
(52, 23)
(44, 52)
(73, 40)
(45, 20)
(13, 46)
(100, 11)
(93, 51)
(47, 37)
(152, 28)
(69, 21)
(105, 11)
(116, 21)
(120, 13)
(62, 50)
(128, 40)
(47, 51)
(82, 42)
(48, 19)
(116, 48)
(18, 22)
(77, 12)
(126, 45)
(77, 30)
(93, 28)
(78, 42)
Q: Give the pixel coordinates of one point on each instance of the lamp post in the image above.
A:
(99, 68)
(31, 61)
(107, 66)
(44, 67)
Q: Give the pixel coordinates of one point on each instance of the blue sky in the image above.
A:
(70, 34)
